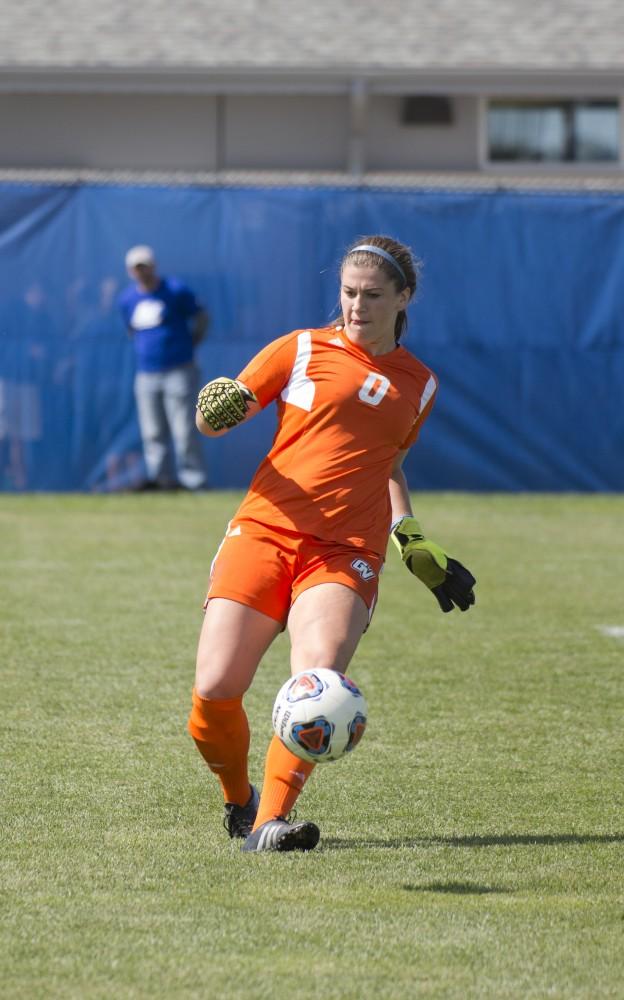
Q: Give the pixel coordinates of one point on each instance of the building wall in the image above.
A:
(240, 131)
(391, 145)
(289, 132)
(207, 133)
(108, 131)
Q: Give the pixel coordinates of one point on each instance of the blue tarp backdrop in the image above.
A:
(520, 313)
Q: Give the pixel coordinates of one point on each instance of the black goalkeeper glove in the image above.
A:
(223, 403)
(449, 581)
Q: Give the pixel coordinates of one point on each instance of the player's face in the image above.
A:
(370, 304)
(144, 274)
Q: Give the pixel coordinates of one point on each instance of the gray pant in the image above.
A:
(166, 409)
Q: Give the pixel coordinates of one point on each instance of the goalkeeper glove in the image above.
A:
(223, 403)
(450, 582)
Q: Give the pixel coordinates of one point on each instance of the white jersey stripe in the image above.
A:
(428, 392)
(216, 555)
(299, 390)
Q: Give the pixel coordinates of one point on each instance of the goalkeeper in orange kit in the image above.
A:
(304, 550)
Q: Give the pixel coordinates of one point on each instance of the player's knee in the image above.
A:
(211, 690)
(310, 658)
(319, 647)
(217, 685)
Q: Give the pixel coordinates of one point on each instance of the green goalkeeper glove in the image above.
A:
(450, 582)
(223, 403)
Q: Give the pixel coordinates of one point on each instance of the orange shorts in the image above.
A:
(267, 569)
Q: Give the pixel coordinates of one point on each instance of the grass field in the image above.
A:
(471, 847)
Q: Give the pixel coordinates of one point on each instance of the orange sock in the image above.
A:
(221, 733)
(284, 777)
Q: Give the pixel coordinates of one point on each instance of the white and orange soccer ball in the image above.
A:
(320, 715)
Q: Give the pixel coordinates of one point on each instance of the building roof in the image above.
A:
(353, 37)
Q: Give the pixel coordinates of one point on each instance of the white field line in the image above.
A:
(613, 631)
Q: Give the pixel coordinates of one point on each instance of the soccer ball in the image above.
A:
(320, 715)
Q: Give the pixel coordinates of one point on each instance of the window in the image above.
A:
(426, 110)
(554, 131)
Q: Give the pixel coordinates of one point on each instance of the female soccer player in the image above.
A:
(305, 547)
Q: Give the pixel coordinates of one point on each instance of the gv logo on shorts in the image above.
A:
(362, 567)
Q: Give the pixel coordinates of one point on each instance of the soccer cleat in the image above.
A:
(239, 820)
(278, 835)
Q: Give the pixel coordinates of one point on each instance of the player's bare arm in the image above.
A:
(222, 404)
(398, 488)
(451, 583)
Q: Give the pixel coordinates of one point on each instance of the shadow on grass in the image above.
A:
(494, 840)
(455, 888)
(527, 839)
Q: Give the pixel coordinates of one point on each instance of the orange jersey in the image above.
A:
(343, 415)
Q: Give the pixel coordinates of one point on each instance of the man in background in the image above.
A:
(166, 323)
